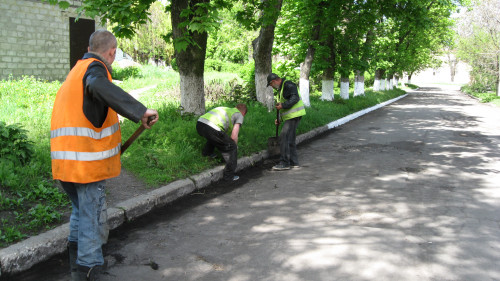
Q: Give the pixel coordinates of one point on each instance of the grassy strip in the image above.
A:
(489, 97)
(31, 202)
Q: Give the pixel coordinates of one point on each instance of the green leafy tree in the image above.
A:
(479, 44)
(147, 42)
(232, 41)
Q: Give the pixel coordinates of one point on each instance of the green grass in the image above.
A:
(485, 97)
(31, 202)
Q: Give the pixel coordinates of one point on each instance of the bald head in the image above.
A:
(103, 42)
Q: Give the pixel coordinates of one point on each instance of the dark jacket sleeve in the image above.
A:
(100, 93)
(290, 94)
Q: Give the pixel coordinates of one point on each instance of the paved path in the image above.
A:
(408, 192)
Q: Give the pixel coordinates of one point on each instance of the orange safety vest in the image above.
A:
(80, 152)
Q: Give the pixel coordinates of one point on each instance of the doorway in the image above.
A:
(79, 34)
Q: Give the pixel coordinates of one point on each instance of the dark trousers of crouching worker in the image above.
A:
(224, 144)
(288, 148)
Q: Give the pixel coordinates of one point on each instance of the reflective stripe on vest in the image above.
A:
(296, 110)
(220, 117)
(80, 152)
(84, 132)
(85, 156)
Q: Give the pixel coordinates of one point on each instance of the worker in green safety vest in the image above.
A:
(291, 111)
(221, 126)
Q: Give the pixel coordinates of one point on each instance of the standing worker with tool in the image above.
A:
(85, 148)
(292, 109)
(221, 126)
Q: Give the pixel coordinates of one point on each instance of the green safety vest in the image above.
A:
(296, 110)
(219, 117)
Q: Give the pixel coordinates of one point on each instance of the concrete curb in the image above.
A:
(25, 254)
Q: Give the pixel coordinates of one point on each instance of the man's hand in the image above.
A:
(145, 117)
(279, 106)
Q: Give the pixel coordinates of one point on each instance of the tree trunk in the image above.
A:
(409, 78)
(378, 80)
(359, 84)
(305, 69)
(327, 92)
(262, 55)
(344, 87)
(498, 75)
(191, 61)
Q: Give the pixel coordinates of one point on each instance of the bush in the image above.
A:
(14, 144)
(126, 73)
(221, 66)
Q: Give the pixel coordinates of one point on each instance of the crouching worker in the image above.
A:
(220, 126)
(85, 148)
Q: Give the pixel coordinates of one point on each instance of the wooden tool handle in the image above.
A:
(277, 121)
(136, 134)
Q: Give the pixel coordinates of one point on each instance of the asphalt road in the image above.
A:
(408, 192)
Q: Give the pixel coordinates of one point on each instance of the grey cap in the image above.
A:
(271, 77)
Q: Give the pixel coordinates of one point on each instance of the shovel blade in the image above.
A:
(273, 146)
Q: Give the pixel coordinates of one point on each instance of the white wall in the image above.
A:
(442, 75)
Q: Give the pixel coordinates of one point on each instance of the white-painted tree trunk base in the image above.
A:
(382, 84)
(192, 94)
(304, 91)
(344, 90)
(359, 88)
(327, 90)
(376, 84)
(264, 93)
(391, 84)
(396, 82)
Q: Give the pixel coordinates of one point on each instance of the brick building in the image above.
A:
(41, 40)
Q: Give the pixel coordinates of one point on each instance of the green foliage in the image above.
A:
(14, 144)
(10, 234)
(411, 86)
(126, 73)
(485, 97)
(25, 178)
(247, 74)
(478, 36)
(231, 41)
(147, 42)
(287, 69)
(221, 66)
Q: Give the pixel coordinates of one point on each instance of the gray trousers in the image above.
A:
(288, 148)
(224, 143)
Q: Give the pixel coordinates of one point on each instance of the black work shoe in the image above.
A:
(281, 167)
(89, 273)
(213, 155)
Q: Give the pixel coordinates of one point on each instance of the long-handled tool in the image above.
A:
(273, 143)
(136, 134)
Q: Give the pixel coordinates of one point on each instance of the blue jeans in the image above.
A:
(288, 148)
(88, 224)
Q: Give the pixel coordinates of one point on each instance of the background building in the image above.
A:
(40, 39)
